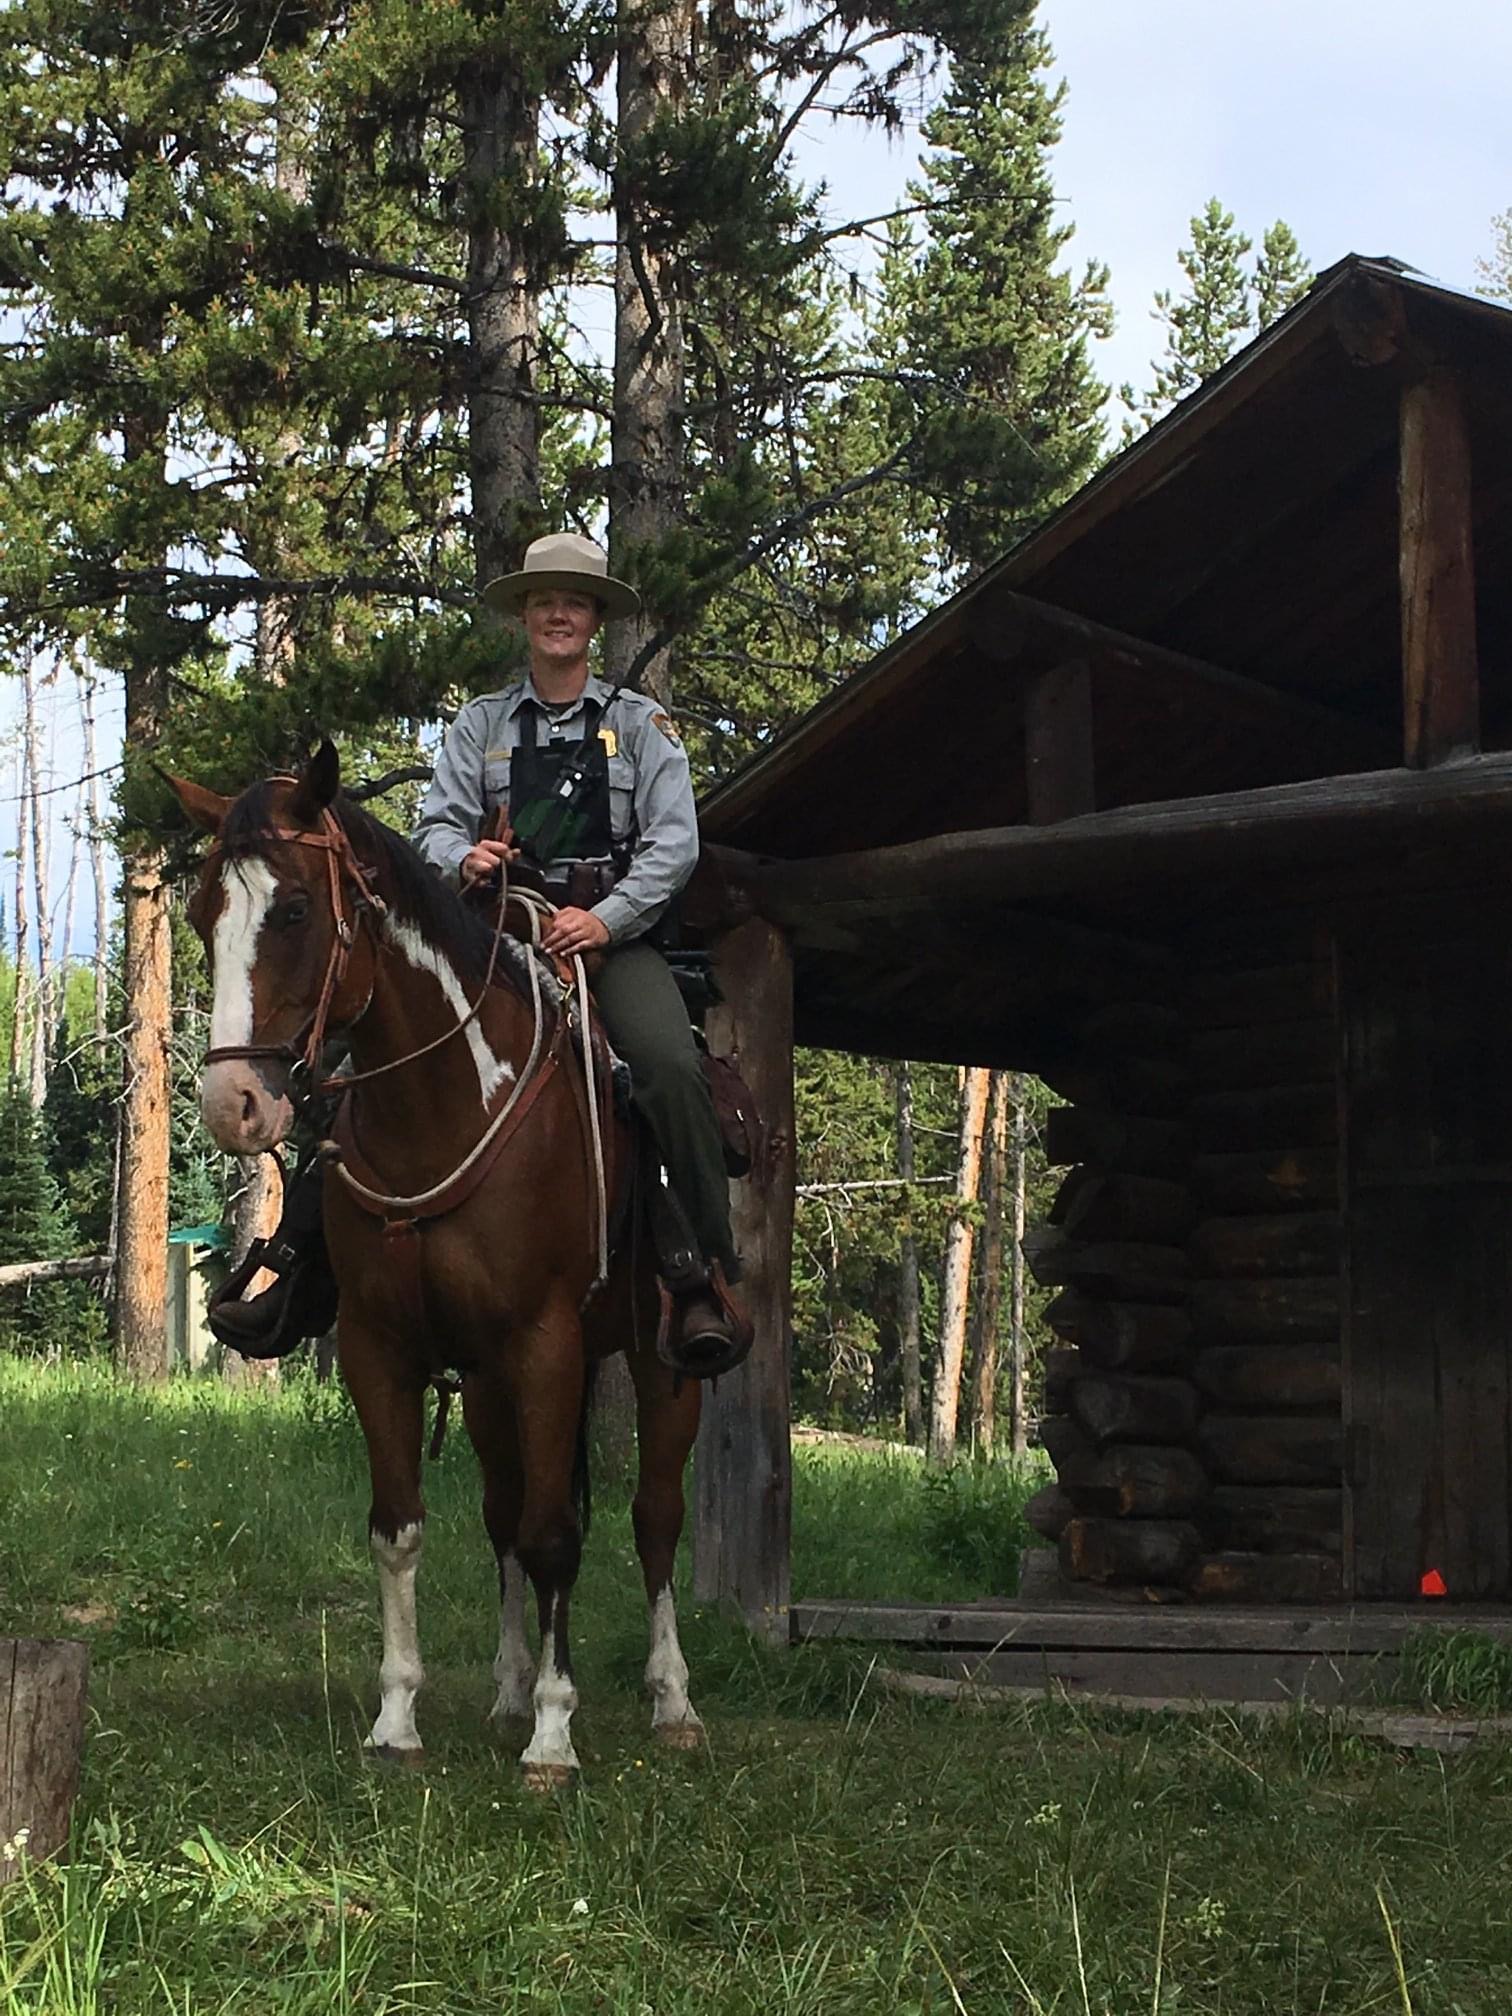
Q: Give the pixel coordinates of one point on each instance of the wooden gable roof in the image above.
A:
(1231, 580)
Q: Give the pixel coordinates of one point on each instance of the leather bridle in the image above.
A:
(344, 872)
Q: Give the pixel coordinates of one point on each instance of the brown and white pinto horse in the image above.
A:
(319, 921)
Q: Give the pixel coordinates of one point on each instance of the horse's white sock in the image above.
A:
(555, 1699)
(514, 1669)
(667, 1669)
(401, 1675)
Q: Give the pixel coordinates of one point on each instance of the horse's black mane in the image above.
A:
(416, 891)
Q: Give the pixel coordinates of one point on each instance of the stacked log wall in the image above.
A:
(1193, 1398)
(1122, 1407)
(1265, 1254)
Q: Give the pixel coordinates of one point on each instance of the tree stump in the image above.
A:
(43, 1683)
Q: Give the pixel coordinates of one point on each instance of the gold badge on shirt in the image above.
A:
(610, 741)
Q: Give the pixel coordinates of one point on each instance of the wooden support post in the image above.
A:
(1058, 743)
(42, 1694)
(742, 1468)
(1440, 686)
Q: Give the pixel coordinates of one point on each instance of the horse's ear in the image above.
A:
(318, 786)
(206, 809)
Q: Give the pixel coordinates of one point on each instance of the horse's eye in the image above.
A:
(293, 911)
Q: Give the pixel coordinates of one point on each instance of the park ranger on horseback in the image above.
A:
(588, 790)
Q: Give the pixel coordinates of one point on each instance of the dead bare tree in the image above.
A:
(1018, 1157)
(21, 1006)
(32, 811)
(96, 832)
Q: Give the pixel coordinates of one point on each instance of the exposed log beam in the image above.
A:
(1440, 682)
(1324, 821)
(1013, 629)
(1059, 768)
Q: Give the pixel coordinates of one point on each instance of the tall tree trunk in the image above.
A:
(96, 855)
(1018, 1158)
(946, 1398)
(70, 897)
(141, 1277)
(32, 811)
(990, 1301)
(21, 1006)
(908, 1274)
(646, 436)
(500, 135)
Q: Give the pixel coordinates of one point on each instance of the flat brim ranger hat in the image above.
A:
(563, 560)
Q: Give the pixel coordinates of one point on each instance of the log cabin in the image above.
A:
(1199, 805)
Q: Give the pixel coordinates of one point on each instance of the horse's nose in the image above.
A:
(242, 1110)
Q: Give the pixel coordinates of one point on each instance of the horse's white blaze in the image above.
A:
(513, 1668)
(555, 1698)
(492, 1071)
(247, 892)
(667, 1669)
(400, 1676)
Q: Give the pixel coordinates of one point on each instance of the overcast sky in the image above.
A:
(1369, 125)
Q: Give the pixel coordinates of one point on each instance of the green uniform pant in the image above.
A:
(648, 1027)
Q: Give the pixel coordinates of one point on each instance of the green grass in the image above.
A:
(837, 1850)
(1457, 1671)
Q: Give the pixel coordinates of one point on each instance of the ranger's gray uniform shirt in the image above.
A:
(650, 791)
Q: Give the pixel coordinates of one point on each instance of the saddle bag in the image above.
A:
(739, 1122)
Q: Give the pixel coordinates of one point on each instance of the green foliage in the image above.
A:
(1224, 302)
(46, 1317)
(974, 1521)
(1461, 1670)
(837, 1851)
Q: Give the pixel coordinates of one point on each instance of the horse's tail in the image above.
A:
(582, 1484)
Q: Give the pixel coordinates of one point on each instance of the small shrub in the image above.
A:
(973, 1520)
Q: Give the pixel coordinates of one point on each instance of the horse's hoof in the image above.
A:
(680, 1735)
(545, 1778)
(390, 1753)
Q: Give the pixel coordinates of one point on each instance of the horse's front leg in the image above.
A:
(666, 1424)
(546, 1382)
(391, 1410)
(489, 1413)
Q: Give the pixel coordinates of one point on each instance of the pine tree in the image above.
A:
(1282, 275)
(1204, 323)
(1496, 272)
(1013, 420)
(48, 1316)
(1223, 304)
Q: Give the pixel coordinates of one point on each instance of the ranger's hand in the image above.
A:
(573, 931)
(486, 859)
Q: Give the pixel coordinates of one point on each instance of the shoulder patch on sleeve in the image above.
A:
(667, 726)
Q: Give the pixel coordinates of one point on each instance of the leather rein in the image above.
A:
(302, 1052)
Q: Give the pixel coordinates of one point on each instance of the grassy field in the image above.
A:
(836, 1850)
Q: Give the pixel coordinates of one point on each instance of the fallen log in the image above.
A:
(43, 1686)
(20, 1273)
